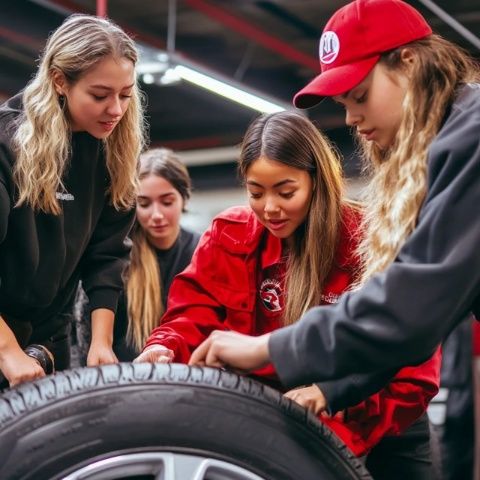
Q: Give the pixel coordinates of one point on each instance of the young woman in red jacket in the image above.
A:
(261, 267)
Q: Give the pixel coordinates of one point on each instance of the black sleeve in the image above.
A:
(353, 389)
(6, 187)
(400, 316)
(105, 258)
(120, 326)
(5, 206)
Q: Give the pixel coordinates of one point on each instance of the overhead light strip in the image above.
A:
(228, 91)
(162, 68)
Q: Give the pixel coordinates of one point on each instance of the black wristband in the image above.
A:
(43, 356)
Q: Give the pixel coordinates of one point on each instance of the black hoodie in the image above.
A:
(42, 256)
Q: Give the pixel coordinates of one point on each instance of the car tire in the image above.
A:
(63, 424)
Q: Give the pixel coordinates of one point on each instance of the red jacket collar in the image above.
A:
(241, 233)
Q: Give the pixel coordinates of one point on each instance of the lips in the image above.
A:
(276, 224)
(108, 125)
(367, 134)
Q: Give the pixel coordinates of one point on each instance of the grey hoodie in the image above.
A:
(401, 315)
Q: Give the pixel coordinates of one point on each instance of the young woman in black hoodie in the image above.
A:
(161, 249)
(69, 144)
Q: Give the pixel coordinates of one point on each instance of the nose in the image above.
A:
(157, 212)
(271, 206)
(352, 118)
(114, 108)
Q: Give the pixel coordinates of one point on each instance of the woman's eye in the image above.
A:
(254, 195)
(167, 204)
(124, 97)
(362, 98)
(98, 98)
(287, 194)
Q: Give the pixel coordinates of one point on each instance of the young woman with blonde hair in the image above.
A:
(259, 268)
(70, 142)
(161, 248)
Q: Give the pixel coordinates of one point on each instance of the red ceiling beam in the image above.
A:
(225, 18)
(194, 143)
(137, 35)
(25, 40)
(101, 8)
(250, 31)
(69, 5)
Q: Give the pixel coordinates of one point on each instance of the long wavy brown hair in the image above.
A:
(42, 156)
(143, 276)
(293, 140)
(398, 182)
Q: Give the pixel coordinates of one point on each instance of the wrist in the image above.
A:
(8, 343)
(101, 341)
(263, 352)
(102, 327)
(9, 350)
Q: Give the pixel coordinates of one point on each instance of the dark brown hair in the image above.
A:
(293, 140)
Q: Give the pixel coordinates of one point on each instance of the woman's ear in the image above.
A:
(59, 82)
(408, 58)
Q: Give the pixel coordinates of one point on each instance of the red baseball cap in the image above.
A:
(353, 40)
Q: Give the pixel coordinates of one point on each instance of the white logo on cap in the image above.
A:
(329, 47)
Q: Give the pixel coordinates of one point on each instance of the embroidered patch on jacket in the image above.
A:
(330, 298)
(272, 295)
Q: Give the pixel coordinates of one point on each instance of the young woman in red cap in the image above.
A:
(414, 100)
(260, 267)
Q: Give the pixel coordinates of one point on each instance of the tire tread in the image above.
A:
(20, 400)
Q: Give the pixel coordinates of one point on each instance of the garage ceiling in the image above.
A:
(269, 46)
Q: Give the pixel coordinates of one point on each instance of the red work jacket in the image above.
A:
(219, 291)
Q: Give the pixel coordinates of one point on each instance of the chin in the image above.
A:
(159, 236)
(99, 134)
(280, 235)
(103, 136)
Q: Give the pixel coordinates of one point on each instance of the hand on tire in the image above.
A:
(234, 350)
(310, 397)
(100, 354)
(19, 367)
(155, 354)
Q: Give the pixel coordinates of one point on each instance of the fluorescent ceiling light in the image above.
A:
(148, 78)
(162, 68)
(228, 91)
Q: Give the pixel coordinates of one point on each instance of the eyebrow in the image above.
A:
(104, 87)
(160, 196)
(349, 93)
(279, 184)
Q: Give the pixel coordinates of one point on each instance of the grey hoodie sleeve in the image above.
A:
(401, 315)
(353, 389)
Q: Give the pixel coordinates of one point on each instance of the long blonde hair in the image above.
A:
(42, 140)
(143, 276)
(293, 140)
(398, 182)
